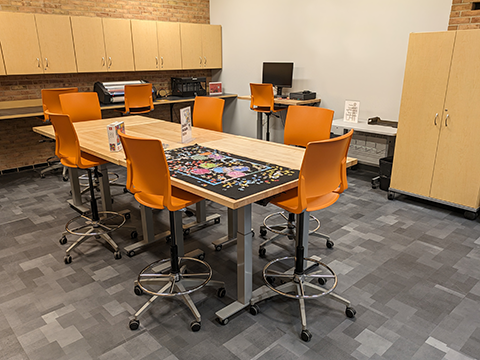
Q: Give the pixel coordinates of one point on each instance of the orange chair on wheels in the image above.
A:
(323, 177)
(51, 103)
(138, 99)
(263, 101)
(85, 106)
(303, 124)
(148, 178)
(97, 223)
(208, 113)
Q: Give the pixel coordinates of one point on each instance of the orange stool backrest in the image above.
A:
(138, 96)
(208, 113)
(305, 124)
(81, 106)
(51, 102)
(262, 97)
(67, 145)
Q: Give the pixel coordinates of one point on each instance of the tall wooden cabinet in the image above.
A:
(201, 46)
(438, 138)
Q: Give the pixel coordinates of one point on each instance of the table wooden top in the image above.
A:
(287, 102)
(94, 140)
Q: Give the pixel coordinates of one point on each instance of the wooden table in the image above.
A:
(279, 101)
(93, 139)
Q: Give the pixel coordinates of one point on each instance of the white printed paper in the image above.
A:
(352, 109)
(186, 122)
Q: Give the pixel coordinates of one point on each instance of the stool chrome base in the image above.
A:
(287, 228)
(299, 286)
(85, 227)
(158, 280)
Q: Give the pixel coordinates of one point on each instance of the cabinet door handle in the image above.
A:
(46, 63)
(435, 120)
(200, 60)
(161, 58)
(446, 118)
(38, 62)
(110, 61)
(156, 61)
(103, 61)
(205, 61)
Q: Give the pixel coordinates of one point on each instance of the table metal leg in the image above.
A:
(232, 231)
(244, 266)
(259, 126)
(76, 200)
(201, 218)
(104, 185)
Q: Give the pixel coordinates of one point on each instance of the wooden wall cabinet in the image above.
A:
(438, 138)
(21, 51)
(102, 44)
(56, 43)
(145, 48)
(169, 45)
(2, 66)
(201, 46)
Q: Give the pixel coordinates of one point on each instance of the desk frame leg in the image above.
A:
(244, 266)
(76, 200)
(201, 218)
(259, 126)
(232, 231)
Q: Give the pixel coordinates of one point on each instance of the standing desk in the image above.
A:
(279, 101)
(94, 140)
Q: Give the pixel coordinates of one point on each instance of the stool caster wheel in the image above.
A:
(322, 281)
(125, 190)
(254, 310)
(186, 232)
(117, 255)
(350, 312)
(134, 234)
(221, 292)
(201, 256)
(195, 326)
(134, 324)
(67, 259)
(306, 335)
(63, 240)
(138, 290)
(216, 221)
(218, 247)
(330, 244)
(262, 252)
(223, 322)
(131, 253)
(168, 238)
(65, 178)
(263, 232)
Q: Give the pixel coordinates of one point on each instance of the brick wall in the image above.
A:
(19, 145)
(464, 15)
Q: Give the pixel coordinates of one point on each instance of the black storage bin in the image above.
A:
(385, 172)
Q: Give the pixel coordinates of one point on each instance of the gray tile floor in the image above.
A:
(410, 268)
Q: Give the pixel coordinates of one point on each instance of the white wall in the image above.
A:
(350, 49)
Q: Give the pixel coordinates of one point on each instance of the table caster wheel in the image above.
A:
(67, 259)
(262, 252)
(195, 326)
(470, 215)
(63, 240)
(263, 232)
(134, 324)
(350, 312)
(391, 195)
(306, 335)
(138, 290)
(330, 244)
(216, 221)
(131, 253)
(125, 190)
(186, 232)
(221, 292)
(223, 322)
(218, 247)
(117, 255)
(134, 234)
(201, 256)
(127, 215)
(189, 213)
(254, 310)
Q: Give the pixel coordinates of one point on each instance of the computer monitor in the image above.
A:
(279, 74)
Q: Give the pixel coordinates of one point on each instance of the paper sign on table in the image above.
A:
(186, 122)
(352, 108)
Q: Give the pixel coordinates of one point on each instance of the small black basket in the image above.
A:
(189, 86)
